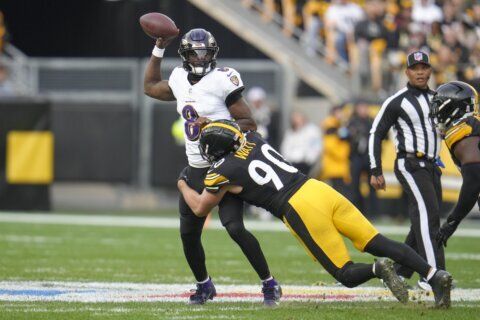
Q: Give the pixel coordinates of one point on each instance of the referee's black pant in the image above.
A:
(420, 180)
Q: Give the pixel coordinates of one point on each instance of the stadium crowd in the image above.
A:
(334, 150)
(373, 37)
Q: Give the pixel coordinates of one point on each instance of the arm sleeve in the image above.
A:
(468, 192)
(383, 122)
(233, 97)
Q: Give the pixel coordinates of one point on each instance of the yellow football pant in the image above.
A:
(318, 218)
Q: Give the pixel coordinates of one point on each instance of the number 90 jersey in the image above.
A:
(205, 98)
(268, 180)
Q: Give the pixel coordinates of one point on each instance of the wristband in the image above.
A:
(157, 52)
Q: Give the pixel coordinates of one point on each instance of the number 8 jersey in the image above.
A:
(206, 98)
(270, 181)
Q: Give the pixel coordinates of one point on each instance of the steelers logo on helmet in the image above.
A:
(198, 50)
(220, 138)
(453, 101)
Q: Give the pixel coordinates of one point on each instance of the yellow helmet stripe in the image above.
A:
(223, 125)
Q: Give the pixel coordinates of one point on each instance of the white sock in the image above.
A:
(268, 279)
(204, 281)
(431, 274)
(373, 269)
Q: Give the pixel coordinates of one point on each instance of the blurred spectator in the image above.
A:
(425, 12)
(291, 15)
(302, 143)
(335, 168)
(261, 113)
(471, 20)
(417, 39)
(3, 33)
(446, 68)
(374, 35)
(450, 39)
(313, 13)
(435, 38)
(358, 134)
(371, 41)
(452, 17)
(340, 19)
(268, 9)
(472, 72)
(6, 85)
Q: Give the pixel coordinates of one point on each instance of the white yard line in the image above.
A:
(138, 292)
(158, 222)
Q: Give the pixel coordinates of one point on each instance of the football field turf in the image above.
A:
(131, 267)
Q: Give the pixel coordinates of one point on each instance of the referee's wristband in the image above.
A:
(157, 52)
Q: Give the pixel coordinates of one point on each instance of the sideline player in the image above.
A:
(315, 213)
(203, 93)
(454, 111)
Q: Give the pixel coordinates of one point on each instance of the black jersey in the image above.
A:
(268, 180)
(459, 130)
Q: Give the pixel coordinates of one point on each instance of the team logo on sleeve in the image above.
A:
(235, 80)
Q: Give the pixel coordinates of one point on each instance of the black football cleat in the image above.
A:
(272, 292)
(384, 270)
(205, 291)
(441, 283)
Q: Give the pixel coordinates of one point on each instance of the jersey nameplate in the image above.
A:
(245, 151)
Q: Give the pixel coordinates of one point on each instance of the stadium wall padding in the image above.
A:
(26, 154)
(95, 142)
(168, 156)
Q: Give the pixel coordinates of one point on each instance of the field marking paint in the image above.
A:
(157, 222)
(137, 292)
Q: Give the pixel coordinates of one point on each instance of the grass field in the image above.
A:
(50, 253)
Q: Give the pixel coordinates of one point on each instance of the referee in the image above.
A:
(418, 146)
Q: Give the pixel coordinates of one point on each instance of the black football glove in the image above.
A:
(183, 174)
(446, 231)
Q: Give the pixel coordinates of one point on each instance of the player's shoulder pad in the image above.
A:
(228, 75)
(459, 130)
(227, 71)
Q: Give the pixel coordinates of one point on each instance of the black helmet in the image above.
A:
(452, 101)
(219, 138)
(198, 50)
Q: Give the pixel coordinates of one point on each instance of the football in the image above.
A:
(158, 25)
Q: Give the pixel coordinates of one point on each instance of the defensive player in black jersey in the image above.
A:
(315, 213)
(454, 111)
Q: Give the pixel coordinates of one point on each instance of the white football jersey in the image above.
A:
(206, 98)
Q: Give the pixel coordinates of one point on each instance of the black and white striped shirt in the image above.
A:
(406, 112)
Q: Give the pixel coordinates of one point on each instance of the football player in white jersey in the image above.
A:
(205, 93)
